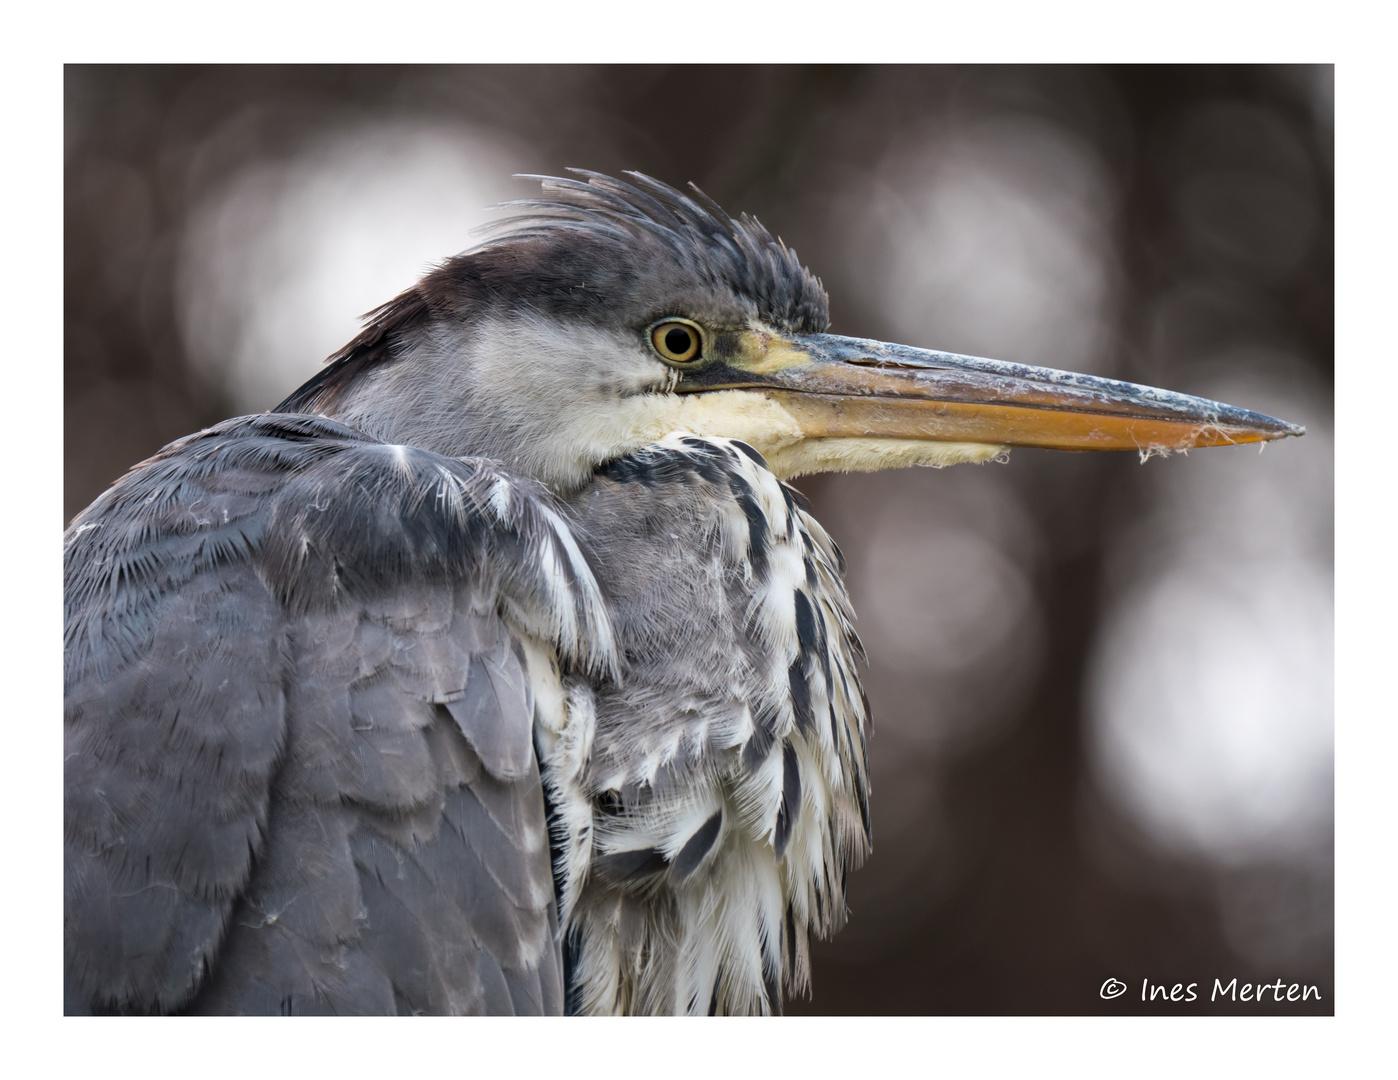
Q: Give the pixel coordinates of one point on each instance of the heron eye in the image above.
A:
(676, 341)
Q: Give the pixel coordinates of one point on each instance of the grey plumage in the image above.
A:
(703, 554)
(516, 680)
(301, 713)
(319, 795)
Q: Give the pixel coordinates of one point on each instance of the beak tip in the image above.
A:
(1288, 430)
(1269, 428)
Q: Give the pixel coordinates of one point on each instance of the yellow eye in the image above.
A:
(678, 341)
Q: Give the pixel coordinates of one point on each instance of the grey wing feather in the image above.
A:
(174, 723)
(300, 774)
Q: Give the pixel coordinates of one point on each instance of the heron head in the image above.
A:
(607, 314)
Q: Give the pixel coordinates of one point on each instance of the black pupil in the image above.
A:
(678, 340)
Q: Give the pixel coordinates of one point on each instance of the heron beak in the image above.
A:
(842, 387)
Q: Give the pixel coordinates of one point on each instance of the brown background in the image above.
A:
(1013, 872)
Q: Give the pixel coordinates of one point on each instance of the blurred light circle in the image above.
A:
(998, 244)
(279, 263)
(1213, 705)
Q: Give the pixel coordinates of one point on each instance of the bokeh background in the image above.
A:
(1102, 688)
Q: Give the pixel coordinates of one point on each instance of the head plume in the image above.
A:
(597, 250)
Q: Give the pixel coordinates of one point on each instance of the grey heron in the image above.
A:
(498, 669)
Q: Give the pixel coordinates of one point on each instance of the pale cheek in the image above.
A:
(738, 414)
(598, 435)
(873, 455)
